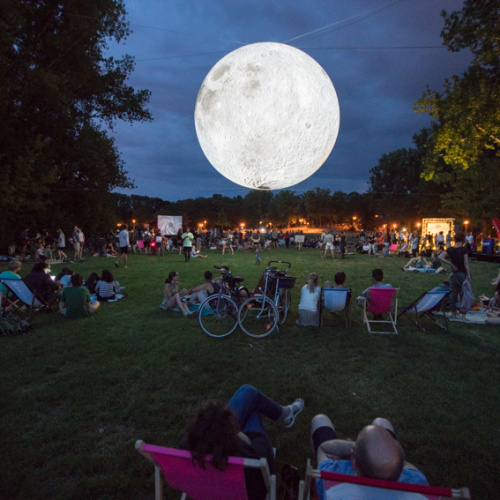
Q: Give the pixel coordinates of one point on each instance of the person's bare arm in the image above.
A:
(443, 257)
(335, 449)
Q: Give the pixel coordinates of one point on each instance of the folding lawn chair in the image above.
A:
(426, 305)
(25, 297)
(403, 250)
(337, 300)
(393, 249)
(204, 484)
(381, 301)
(345, 487)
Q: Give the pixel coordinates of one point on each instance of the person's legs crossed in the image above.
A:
(248, 400)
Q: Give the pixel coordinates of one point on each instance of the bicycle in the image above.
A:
(260, 314)
(218, 313)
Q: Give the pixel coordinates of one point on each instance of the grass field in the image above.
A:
(76, 395)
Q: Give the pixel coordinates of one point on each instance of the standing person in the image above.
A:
(255, 237)
(75, 300)
(146, 240)
(187, 244)
(448, 239)
(458, 258)
(287, 239)
(258, 251)
(274, 238)
(440, 241)
(327, 244)
(61, 245)
(299, 239)
(123, 238)
(25, 240)
(415, 244)
(343, 244)
(77, 244)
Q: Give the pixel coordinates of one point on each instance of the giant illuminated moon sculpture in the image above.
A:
(267, 116)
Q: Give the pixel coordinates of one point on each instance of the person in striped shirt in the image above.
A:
(106, 287)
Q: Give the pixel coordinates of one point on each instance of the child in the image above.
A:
(258, 250)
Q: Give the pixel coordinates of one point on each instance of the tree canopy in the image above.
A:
(466, 113)
(59, 94)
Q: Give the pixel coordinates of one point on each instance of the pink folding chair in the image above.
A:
(381, 302)
(345, 487)
(203, 484)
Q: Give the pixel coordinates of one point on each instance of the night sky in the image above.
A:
(379, 54)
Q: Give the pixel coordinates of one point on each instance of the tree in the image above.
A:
(255, 207)
(283, 207)
(467, 113)
(58, 95)
(317, 202)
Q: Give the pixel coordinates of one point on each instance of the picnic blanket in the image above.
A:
(118, 296)
(473, 317)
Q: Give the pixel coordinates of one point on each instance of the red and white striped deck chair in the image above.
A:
(345, 487)
(381, 302)
(203, 484)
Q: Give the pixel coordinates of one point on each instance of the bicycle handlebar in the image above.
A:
(280, 262)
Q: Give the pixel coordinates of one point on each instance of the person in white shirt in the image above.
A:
(123, 238)
(309, 302)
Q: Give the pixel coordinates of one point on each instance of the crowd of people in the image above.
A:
(237, 429)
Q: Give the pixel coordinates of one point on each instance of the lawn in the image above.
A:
(77, 395)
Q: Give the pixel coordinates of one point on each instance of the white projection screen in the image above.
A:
(169, 224)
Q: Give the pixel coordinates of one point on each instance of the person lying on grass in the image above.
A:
(376, 453)
(237, 430)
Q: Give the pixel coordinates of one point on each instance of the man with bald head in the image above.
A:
(376, 453)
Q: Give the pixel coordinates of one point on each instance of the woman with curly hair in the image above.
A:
(237, 430)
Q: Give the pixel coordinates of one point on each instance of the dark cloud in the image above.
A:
(377, 53)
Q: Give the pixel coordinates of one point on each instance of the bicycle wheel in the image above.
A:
(284, 303)
(218, 316)
(258, 316)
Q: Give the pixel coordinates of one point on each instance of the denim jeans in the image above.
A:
(248, 404)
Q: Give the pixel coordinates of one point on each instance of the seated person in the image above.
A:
(39, 281)
(376, 453)
(172, 298)
(339, 279)
(309, 301)
(75, 300)
(201, 292)
(377, 278)
(106, 288)
(39, 254)
(196, 254)
(64, 277)
(493, 310)
(12, 273)
(237, 430)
